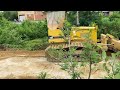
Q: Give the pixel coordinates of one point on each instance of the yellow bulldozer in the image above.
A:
(55, 22)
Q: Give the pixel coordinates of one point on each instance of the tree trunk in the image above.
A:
(78, 18)
(90, 66)
(66, 15)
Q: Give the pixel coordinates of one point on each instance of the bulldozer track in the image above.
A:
(58, 46)
(65, 45)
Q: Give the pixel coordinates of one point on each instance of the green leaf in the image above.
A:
(113, 56)
(106, 68)
(117, 76)
(104, 55)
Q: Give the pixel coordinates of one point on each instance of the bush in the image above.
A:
(31, 35)
(110, 25)
(115, 16)
(35, 44)
(104, 26)
(8, 33)
(112, 67)
(115, 28)
(42, 75)
(32, 30)
(10, 15)
(85, 17)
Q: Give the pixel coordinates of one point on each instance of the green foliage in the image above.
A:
(112, 67)
(42, 75)
(66, 31)
(8, 33)
(1, 15)
(118, 54)
(32, 30)
(69, 63)
(106, 24)
(10, 15)
(85, 17)
(36, 44)
(110, 25)
(115, 16)
(71, 17)
(67, 28)
(90, 54)
(23, 35)
(104, 55)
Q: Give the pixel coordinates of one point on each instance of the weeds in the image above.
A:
(112, 67)
(42, 75)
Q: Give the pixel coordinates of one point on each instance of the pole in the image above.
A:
(78, 18)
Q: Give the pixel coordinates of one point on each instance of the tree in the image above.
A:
(10, 15)
(85, 17)
(78, 18)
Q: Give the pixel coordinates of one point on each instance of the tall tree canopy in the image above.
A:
(10, 15)
(85, 17)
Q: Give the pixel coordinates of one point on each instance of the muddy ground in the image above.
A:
(29, 64)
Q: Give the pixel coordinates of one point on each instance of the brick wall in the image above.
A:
(39, 15)
(30, 16)
(33, 15)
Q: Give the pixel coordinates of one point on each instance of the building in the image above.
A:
(31, 15)
(107, 13)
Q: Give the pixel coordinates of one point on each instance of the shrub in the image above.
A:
(42, 75)
(8, 33)
(112, 67)
(32, 30)
(35, 44)
(10, 15)
(85, 17)
(14, 35)
(110, 25)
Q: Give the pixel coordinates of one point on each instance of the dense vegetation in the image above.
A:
(107, 24)
(110, 25)
(10, 15)
(28, 35)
